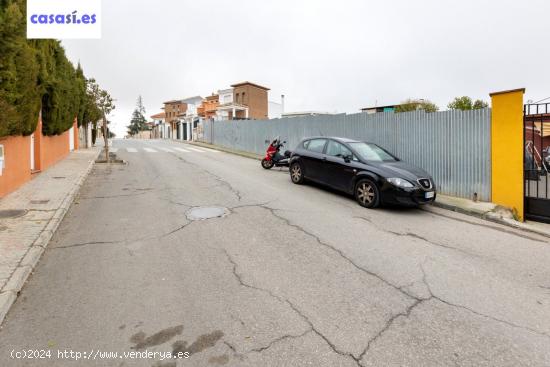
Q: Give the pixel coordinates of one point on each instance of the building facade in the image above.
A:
(163, 130)
(172, 110)
(244, 100)
(254, 97)
(189, 120)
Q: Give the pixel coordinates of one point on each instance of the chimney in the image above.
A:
(282, 104)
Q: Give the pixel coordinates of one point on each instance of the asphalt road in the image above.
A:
(290, 276)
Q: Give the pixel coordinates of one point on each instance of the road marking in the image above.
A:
(167, 150)
(182, 150)
(150, 150)
(196, 150)
(131, 150)
(210, 150)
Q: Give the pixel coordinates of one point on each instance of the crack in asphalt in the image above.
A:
(417, 300)
(144, 238)
(292, 306)
(389, 323)
(418, 237)
(278, 340)
(414, 235)
(116, 196)
(179, 203)
(86, 244)
(216, 177)
(257, 205)
(433, 296)
(339, 252)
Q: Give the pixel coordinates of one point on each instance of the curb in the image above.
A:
(9, 293)
(490, 217)
(457, 209)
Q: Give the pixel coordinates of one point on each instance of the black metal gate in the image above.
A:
(536, 137)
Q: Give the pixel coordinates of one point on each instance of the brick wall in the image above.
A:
(253, 97)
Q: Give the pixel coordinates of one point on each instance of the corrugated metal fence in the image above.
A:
(453, 146)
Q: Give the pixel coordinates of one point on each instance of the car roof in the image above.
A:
(342, 140)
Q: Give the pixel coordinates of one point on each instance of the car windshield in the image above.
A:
(372, 152)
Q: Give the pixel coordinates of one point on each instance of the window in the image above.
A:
(315, 145)
(336, 149)
(372, 152)
(242, 98)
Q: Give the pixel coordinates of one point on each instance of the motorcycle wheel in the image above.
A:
(267, 164)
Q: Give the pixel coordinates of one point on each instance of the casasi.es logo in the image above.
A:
(64, 19)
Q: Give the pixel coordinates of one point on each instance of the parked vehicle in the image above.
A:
(370, 173)
(273, 157)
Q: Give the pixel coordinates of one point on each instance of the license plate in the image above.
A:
(430, 194)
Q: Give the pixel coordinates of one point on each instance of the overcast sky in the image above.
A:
(323, 55)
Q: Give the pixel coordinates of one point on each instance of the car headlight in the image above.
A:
(399, 182)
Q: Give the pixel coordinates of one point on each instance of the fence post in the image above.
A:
(212, 132)
(507, 184)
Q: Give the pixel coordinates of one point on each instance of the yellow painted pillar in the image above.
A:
(507, 150)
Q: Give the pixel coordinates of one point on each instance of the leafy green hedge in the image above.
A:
(36, 74)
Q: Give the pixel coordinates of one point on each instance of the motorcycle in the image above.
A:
(273, 157)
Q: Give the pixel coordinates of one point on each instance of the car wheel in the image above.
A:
(367, 194)
(267, 164)
(296, 173)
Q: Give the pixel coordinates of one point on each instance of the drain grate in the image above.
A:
(12, 213)
(207, 212)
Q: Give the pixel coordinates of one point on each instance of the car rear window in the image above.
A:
(315, 145)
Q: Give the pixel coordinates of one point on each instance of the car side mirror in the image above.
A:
(347, 158)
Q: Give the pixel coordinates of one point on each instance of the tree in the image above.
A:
(479, 104)
(140, 106)
(138, 122)
(105, 104)
(465, 103)
(61, 94)
(416, 105)
(35, 75)
(19, 92)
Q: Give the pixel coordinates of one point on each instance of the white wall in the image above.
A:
(225, 96)
(274, 110)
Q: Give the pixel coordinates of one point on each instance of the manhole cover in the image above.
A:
(40, 201)
(206, 212)
(59, 177)
(12, 213)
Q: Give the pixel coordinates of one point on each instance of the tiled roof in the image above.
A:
(160, 115)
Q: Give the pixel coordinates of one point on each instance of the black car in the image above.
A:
(365, 170)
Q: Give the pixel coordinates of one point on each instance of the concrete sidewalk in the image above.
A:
(30, 216)
(491, 212)
(480, 209)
